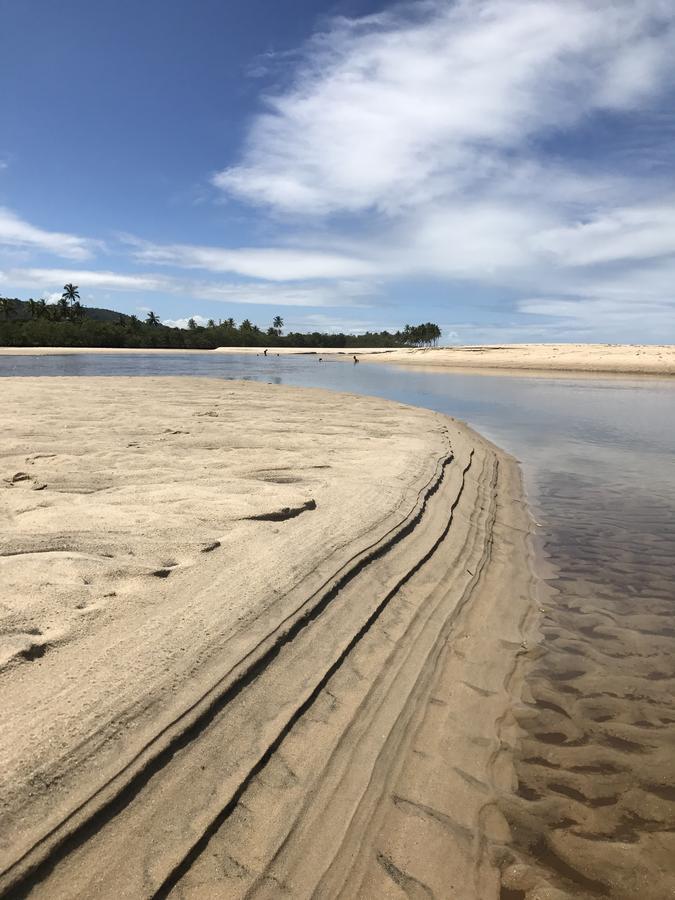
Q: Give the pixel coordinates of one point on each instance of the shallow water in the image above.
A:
(595, 811)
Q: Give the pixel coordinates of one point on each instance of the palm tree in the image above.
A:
(41, 307)
(33, 308)
(230, 323)
(78, 310)
(134, 323)
(211, 324)
(152, 319)
(62, 307)
(71, 293)
(7, 307)
(277, 324)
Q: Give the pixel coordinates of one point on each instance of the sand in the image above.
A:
(628, 359)
(255, 641)
(637, 359)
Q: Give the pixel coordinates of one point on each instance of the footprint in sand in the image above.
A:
(23, 478)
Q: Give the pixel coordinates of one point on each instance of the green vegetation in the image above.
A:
(66, 323)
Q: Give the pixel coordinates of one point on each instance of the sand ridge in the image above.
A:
(251, 612)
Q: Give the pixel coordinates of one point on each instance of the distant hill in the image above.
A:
(90, 312)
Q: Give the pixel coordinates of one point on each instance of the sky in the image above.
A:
(503, 168)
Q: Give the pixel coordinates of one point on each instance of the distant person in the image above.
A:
(320, 359)
(355, 360)
(265, 352)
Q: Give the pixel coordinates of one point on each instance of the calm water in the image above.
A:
(596, 766)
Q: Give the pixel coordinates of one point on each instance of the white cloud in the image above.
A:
(183, 323)
(637, 232)
(330, 324)
(389, 112)
(14, 232)
(273, 264)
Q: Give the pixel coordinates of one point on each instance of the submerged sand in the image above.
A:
(255, 641)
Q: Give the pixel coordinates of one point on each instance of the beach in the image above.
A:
(255, 639)
(634, 359)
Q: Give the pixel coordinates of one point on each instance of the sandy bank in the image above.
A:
(238, 617)
(619, 358)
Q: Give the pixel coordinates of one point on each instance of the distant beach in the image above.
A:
(631, 359)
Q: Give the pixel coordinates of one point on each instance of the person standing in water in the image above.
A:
(265, 352)
(355, 360)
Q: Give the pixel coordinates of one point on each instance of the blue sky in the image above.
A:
(501, 167)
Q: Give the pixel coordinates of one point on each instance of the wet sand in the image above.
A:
(255, 640)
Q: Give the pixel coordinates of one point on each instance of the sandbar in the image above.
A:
(635, 359)
(254, 640)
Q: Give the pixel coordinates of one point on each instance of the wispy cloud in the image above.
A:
(86, 278)
(331, 294)
(392, 111)
(15, 232)
(272, 264)
(632, 233)
(342, 293)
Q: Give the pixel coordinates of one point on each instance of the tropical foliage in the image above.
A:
(67, 323)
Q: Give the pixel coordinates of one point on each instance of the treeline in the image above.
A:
(67, 324)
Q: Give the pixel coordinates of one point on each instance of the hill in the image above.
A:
(98, 314)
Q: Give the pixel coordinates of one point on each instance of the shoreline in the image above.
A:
(536, 359)
(323, 673)
(533, 359)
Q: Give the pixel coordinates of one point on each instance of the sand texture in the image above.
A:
(256, 641)
(619, 358)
